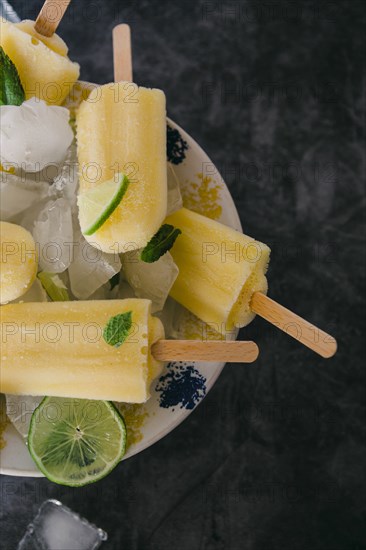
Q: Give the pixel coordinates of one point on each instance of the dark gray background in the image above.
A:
(272, 459)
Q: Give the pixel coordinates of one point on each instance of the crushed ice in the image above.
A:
(34, 135)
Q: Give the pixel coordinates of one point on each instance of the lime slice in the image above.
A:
(76, 441)
(54, 286)
(98, 204)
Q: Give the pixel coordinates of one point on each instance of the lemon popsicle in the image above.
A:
(121, 128)
(18, 262)
(44, 68)
(219, 270)
(63, 349)
(222, 280)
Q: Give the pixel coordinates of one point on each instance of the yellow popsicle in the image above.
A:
(44, 68)
(121, 128)
(18, 261)
(219, 270)
(58, 349)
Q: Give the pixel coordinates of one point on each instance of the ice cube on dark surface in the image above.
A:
(56, 527)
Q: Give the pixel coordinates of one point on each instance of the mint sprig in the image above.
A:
(117, 329)
(54, 286)
(114, 281)
(161, 243)
(11, 89)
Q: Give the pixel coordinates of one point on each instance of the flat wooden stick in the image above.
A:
(303, 331)
(122, 53)
(50, 16)
(211, 351)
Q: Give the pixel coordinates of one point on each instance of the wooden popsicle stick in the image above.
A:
(122, 53)
(211, 351)
(300, 329)
(50, 16)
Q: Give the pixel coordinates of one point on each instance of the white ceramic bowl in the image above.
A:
(182, 386)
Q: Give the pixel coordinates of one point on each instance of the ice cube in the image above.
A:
(56, 527)
(17, 194)
(105, 292)
(152, 281)
(27, 218)
(100, 294)
(67, 180)
(31, 182)
(53, 233)
(90, 268)
(34, 135)
(172, 316)
(125, 290)
(19, 409)
(29, 541)
(175, 201)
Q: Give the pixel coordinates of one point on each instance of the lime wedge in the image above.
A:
(54, 286)
(98, 204)
(76, 441)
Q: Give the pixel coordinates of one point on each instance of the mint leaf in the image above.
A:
(54, 287)
(114, 281)
(161, 243)
(117, 329)
(11, 89)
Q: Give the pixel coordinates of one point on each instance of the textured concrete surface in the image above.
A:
(272, 459)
